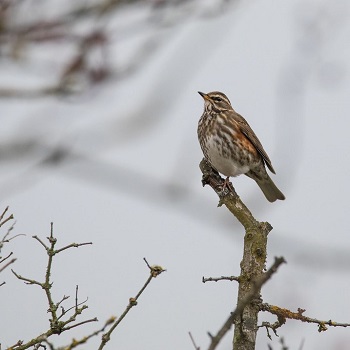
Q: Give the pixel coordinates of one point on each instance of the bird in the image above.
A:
(230, 145)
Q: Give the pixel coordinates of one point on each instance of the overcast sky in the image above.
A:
(129, 179)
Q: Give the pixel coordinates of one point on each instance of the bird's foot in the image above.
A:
(225, 190)
(227, 185)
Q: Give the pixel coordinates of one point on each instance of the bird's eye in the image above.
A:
(218, 99)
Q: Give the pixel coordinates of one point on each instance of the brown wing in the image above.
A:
(249, 133)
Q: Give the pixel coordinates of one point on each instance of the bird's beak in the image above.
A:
(205, 96)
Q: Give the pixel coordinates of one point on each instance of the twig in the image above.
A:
(80, 323)
(3, 213)
(193, 342)
(2, 260)
(41, 242)
(5, 239)
(15, 236)
(72, 245)
(50, 345)
(14, 346)
(76, 297)
(284, 314)
(26, 280)
(75, 307)
(258, 283)
(65, 297)
(154, 272)
(57, 325)
(279, 323)
(216, 279)
(2, 220)
(85, 339)
(7, 264)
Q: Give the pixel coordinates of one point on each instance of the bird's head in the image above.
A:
(215, 101)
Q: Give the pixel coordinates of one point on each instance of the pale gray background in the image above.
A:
(136, 190)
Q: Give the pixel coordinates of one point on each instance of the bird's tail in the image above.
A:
(269, 189)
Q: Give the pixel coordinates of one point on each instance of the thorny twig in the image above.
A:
(155, 271)
(57, 325)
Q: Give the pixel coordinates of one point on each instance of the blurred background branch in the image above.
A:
(99, 114)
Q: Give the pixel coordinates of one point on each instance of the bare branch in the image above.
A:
(3, 213)
(85, 339)
(258, 283)
(155, 270)
(279, 323)
(57, 324)
(41, 242)
(26, 280)
(284, 314)
(2, 260)
(2, 220)
(75, 307)
(193, 342)
(80, 323)
(222, 278)
(252, 264)
(72, 245)
(7, 264)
